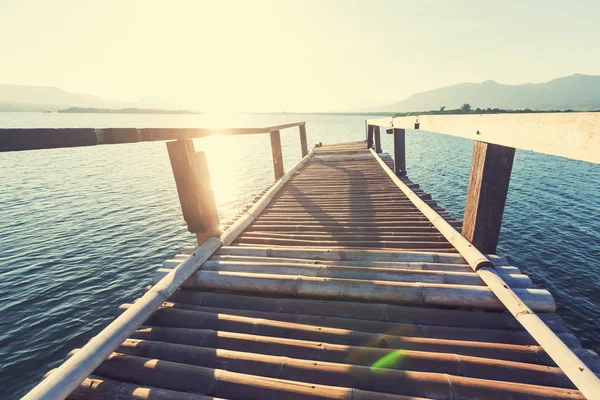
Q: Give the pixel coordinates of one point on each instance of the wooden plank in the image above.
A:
(399, 151)
(486, 197)
(303, 140)
(152, 134)
(118, 135)
(277, 154)
(34, 139)
(370, 129)
(377, 133)
(208, 204)
(570, 135)
(193, 186)
(384, 121)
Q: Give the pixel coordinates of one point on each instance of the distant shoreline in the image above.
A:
(81, 110)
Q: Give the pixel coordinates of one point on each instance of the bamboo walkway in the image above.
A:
(339, 289)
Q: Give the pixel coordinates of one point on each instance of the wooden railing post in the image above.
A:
(303, 142)
(196, 196)
(399, 151)
(377, 139)
(369, 136)
(486, 196)
(277, 154)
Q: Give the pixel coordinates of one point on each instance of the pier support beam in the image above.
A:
(303, 142)
(486, 197)
(369, 136)
(399, 151)
(277, 154)
(377, 139)
(195, 191)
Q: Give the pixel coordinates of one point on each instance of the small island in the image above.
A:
(129, 110)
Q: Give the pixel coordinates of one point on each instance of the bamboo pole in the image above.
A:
(420, 293)
(425, 266)
(303, 141)
(366, 311)
(363, 273)
(584, 379)
(350, 255)
(100, 388)
(68, 376)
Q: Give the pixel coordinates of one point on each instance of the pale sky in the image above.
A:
(291, 55)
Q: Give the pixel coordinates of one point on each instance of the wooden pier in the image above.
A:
(343, 280)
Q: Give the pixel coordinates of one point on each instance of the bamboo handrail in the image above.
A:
(581, 376)
(18, 139)
(64, 379)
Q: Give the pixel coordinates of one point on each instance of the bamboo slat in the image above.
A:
(99, 388)
(444, 295)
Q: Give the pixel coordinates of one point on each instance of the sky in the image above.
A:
(291, 55)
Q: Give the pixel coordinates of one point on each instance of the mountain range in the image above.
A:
(48, 98)
(576, 92)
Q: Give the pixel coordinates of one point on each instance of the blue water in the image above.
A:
(82, 230)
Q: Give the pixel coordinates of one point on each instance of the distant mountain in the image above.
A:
(576, 92)
(41, 98)
(47, 98)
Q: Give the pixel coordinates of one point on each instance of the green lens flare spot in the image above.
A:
(391, 360)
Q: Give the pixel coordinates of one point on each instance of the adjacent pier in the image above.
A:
(343, 280)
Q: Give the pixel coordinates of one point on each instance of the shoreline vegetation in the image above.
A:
(465, 109)
(129, 110)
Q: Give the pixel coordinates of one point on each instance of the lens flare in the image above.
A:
(391, 360)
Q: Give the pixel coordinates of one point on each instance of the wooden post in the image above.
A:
(399, 152)
(277, 154)
(486, 197)
(303, 142)
(369, 136)
(377, 139)
(195, 192)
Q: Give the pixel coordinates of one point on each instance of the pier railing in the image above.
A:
(190, 169)
(496, 136)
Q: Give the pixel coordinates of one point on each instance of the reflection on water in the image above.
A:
(82, 230)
